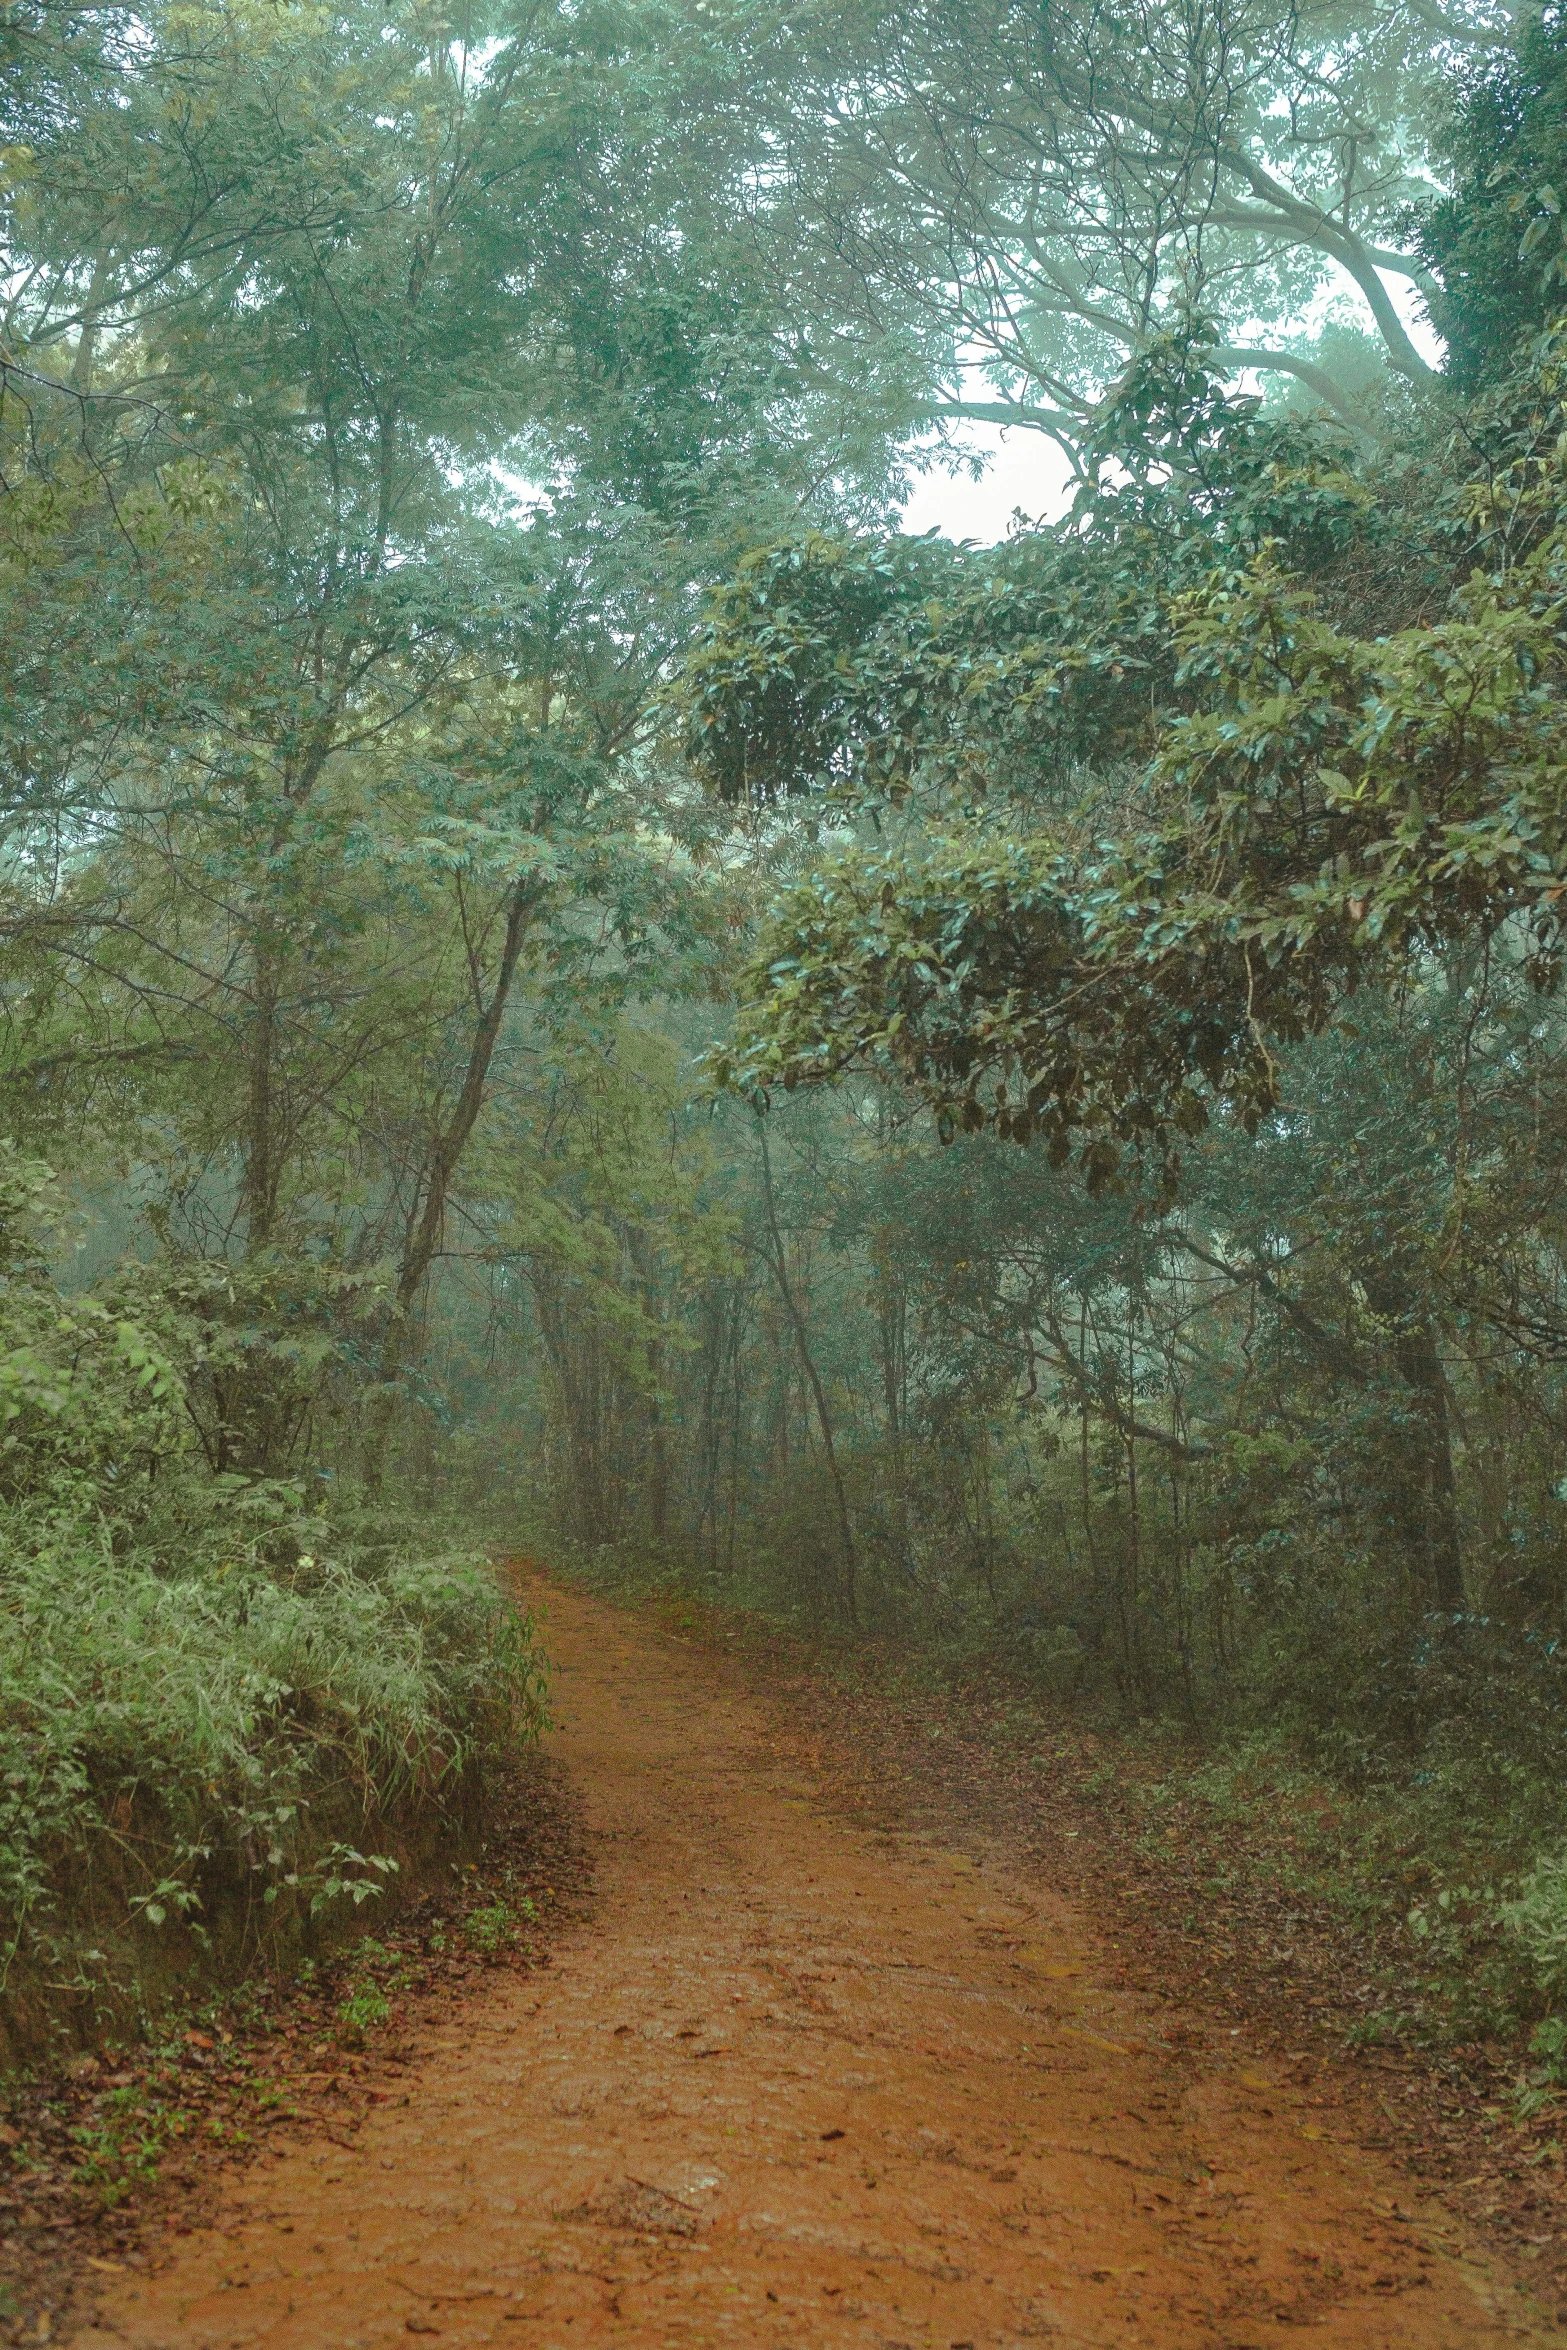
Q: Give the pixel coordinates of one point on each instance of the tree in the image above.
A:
(320, 753)
(1495, 240)
(1319, 808)
(1027, 194)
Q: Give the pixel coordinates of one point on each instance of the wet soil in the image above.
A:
(812, 2076)
(107, 2154)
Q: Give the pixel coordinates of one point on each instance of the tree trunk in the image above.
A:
(891, 1316)
(427, 1217)
(1435, 1487)
(1429, 1488)
(658, 1447)
(808, 1367)
(260, 1185)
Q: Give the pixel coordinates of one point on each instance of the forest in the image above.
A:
(570, 986)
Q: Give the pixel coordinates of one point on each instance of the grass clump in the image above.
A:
(175, 1744)
(216, 1701)
(500, 1926)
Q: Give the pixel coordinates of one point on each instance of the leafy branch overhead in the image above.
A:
(1312, 803)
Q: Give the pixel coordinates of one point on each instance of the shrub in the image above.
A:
(212, 1697)
(1538, 1920)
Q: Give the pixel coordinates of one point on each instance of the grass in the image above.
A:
(218, 1704)
(182, 1747)
(500, 1926)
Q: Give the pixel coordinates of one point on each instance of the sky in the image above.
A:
(1024, 469)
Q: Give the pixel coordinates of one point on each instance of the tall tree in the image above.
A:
(1024, 193)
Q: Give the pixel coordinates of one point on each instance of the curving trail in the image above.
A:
(803, 2082)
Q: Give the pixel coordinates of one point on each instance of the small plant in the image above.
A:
(342, 1874)
(499, 1926)
(364, 2010)
(122, 2147)
(1548, 2074)
(169, 1893)
(1538, 1920)
(1380, 2027)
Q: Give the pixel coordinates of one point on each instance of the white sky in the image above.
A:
(1024, 469)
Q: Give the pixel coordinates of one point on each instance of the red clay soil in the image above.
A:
(805, 2079)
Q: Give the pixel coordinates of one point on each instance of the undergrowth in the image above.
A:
(217, 1699)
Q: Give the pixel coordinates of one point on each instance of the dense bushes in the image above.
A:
(220, 1711)
(1495, 239)
(184, 1745)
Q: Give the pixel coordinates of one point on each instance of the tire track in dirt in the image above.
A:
(806, 2082)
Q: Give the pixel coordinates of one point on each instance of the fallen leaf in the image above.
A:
(197, 2040)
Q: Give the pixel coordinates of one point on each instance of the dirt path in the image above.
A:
(804, 2082)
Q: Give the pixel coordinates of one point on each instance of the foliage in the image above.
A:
(1538, 1917)
(899, 667)
(1028, 198)
(1324, 806)
(170, 1733)
(202, 1675)
(1497, 241)
(88, 1400)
